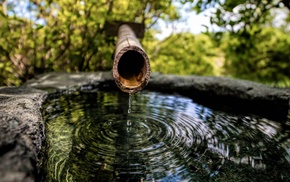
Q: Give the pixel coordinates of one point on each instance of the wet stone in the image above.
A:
(22, 127)
(21, 133)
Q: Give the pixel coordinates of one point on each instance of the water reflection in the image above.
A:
(92, 137)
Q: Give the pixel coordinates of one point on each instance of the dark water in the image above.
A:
(92, 137)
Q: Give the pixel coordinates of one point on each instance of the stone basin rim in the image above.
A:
(22, 125)
(214, 92)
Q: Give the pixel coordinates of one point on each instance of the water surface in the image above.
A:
(96, 136)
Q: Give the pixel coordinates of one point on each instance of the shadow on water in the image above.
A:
(90, 136)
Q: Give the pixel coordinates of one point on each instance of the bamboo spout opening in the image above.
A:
(131, 68)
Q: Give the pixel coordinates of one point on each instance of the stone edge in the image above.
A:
(23, 128)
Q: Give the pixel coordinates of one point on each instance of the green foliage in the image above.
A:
(40, 36)
(184, 54)
(262, 56)
(236, 15)
(253, 48)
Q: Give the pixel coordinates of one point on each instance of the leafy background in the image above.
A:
(38, 36)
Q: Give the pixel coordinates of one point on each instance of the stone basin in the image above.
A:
(22, 126)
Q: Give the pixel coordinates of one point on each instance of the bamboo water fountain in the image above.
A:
(131, 69)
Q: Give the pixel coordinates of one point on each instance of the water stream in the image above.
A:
(99, 136)
(130, 103)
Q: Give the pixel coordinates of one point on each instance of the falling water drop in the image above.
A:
(129, 123)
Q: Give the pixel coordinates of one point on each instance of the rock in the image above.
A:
(219, 93)
(227, 94)
(62, 81)
(21, 133)
(22, 127)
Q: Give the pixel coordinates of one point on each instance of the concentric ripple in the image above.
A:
(92, 137)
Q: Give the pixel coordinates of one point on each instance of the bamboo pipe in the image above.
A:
(131, 68)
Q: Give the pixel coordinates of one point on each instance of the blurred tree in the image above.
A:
(261, 56)
(38, 36)
(184, 53)
(239, 15)
(256, 46)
